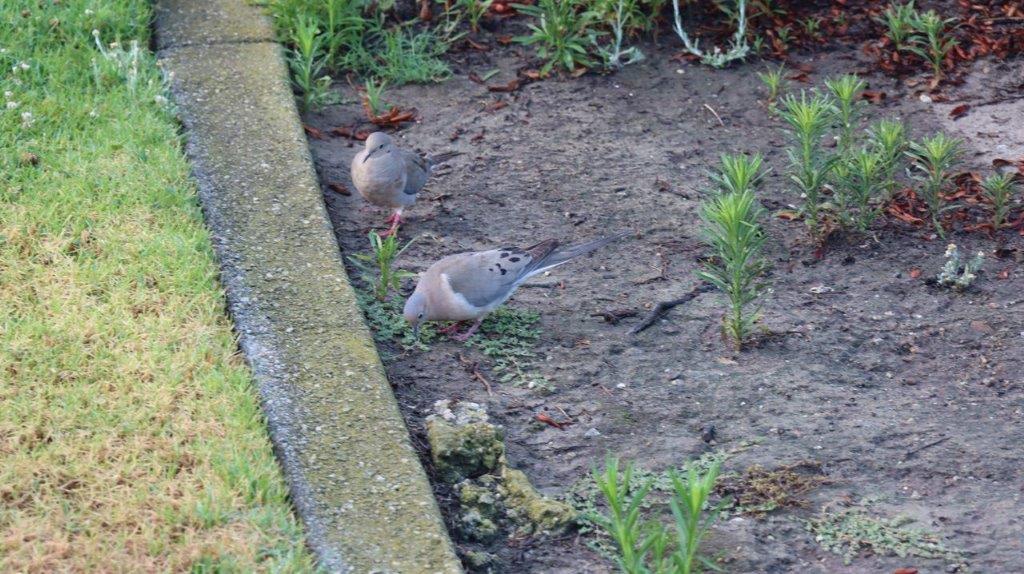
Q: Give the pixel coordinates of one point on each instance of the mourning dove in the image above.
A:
(468, 286)
(391, 177)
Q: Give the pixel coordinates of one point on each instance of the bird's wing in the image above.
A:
(485, 278)
(417, 170)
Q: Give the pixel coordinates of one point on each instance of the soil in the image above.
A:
(904, 392)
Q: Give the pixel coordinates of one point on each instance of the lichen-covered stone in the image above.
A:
(462, 443)
(533, 512)
(479, 509)
(478, 560)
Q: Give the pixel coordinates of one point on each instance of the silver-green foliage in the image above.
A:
(958, 273)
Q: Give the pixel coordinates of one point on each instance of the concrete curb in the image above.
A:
(354, 476)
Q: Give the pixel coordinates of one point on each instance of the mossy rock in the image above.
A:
(479, 509)
(465, 450)
(533, 512)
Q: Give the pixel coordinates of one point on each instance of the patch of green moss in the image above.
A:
(533, 512)
(461, 451)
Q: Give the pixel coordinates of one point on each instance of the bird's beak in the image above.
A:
(368, 154)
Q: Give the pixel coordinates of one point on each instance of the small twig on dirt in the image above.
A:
(548, 285)
(664, 306)
(471, 368)
(922, 447)
(717, 117)
(614, 316)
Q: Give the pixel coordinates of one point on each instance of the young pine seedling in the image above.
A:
(860, 188)
(889, 140)
(378, 265)
(773, 80)
(644, 545)
(306, 60)
(739, 173)
(809, 118)
(934, 44)
(957, 273)
(898, 20)
(933, 158)
(732, 229)
(999, 190)
(846, 90)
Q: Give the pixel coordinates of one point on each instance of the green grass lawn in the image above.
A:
(131, 437)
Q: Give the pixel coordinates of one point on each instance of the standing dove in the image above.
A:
(470, 285)
(391, 177)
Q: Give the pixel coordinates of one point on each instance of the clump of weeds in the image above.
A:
(898, 20)
(932, 158)
(888, 138)
(773, 80)
(509, 337)
(846, 90)
(759, 490)
(851, 531)
(561, 34)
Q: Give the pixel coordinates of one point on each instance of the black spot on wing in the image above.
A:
(505, 254)
(514, 260)
(504, 271)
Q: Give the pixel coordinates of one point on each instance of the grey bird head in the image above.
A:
(415, 311)
(377, 143)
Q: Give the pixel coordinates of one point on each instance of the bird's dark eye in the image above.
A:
(420, 316)
(381, 146)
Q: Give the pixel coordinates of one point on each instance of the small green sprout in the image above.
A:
(561, 33)
(739, 173)
(378, 265)
(860, 188)
(373, 90)
(999, 189)
(307, 60)
(773, 80)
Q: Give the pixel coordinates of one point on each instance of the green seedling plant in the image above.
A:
(809, 119)
(846, 90)
(898, 20)
(933, 44)
(999, 189)
(644, 545)
(378, 266)
(812, 27)
(889, 140)
(732, 230)
(373, 90)
(738, 48)
(561, 34)
(958, 273)
(773, 80)
(475, 10)
(307, 60)
(932, 158)
(785, 36)
(860, 189)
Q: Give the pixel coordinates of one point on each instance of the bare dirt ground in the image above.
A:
(907, 394)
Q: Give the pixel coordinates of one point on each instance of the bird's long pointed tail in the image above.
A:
(556, 255)
(436, 160)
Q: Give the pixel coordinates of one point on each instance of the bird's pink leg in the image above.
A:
(462, 338)
(395, 219)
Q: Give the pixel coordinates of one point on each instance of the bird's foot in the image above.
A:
(452, 329)
(463, 337)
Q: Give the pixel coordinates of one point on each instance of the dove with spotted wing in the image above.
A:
(389, 176)
(468, 286)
